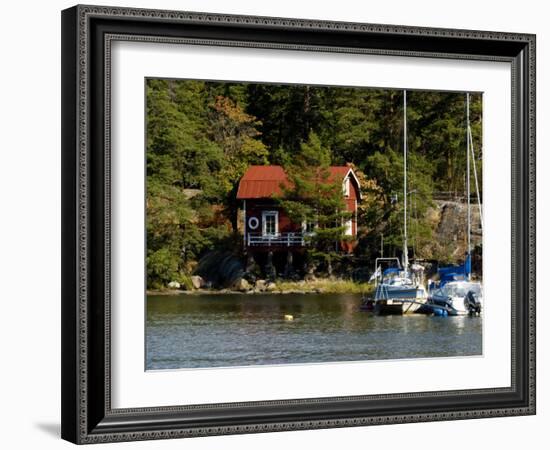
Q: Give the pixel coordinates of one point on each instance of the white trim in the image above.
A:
(253, 227)
(346, 186)
(356, 222)
(349, 227)
(304, 226)
(270, 213)
(352, 173)
(244, 222)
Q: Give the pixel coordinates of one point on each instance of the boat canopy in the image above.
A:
(392, 270)
(461, 289)
(455, 273)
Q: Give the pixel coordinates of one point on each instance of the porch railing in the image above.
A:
(292, 239)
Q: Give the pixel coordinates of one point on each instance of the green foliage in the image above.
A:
(202, 136)
(386, 169)
(312, 196)
(235, 133)
(161, 266)
(199, 144)
(337, 286)
(179, 151)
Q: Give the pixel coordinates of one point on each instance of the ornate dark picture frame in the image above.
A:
(87, 33)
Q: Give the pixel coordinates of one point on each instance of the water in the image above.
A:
(190, 331)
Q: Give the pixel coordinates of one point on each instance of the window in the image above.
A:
(349, 228)
(308, 226)
(346, 187)
(270, 222)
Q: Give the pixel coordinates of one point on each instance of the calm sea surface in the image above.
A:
(190, 331)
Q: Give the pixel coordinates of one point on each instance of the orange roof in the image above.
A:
(265, 181)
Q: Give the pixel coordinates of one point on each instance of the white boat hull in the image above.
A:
(454, 306)
(453, 297)
(399, 299)
(398, 307)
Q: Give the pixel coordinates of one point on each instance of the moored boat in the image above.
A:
(458, 298)
(400, 289)
(397, 291)
(456, 293)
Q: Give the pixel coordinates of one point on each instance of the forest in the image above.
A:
(201, 136)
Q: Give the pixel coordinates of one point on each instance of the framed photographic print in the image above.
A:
(281, 224)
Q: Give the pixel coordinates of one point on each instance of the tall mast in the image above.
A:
(468, 262)
(405, 246)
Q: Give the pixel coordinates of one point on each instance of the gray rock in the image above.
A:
(174, 285)
(241, 285)
(260, 285)
(197, 281)
(222, 269)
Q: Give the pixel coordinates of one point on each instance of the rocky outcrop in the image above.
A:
(449, 222)
(220, 269)
(197, 282)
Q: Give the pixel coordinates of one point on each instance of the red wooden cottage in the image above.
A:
(267, 227)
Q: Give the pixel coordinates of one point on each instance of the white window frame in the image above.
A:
(304, 226)
(346, 186)
(270, 213)
(349, 227)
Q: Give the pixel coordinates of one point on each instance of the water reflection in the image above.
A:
(237, 330)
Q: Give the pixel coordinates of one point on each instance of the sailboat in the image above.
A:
(456, 293)
(399, 288)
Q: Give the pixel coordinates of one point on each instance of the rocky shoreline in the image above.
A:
(170, 292)
(242, 286)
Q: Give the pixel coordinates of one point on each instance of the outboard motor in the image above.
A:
(471, 303)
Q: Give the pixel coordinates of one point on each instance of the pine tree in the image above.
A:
(313, 196)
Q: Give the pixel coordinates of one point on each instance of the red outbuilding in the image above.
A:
(266, 226)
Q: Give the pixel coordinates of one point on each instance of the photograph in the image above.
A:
(303, 223)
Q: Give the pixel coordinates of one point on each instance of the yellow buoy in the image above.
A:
(289, 317)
